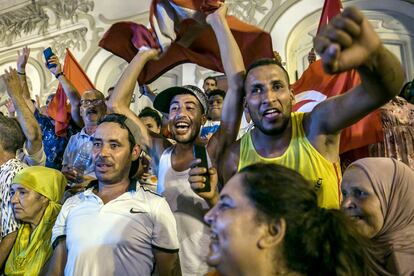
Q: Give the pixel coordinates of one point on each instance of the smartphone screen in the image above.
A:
(201, 153)
(48, 54)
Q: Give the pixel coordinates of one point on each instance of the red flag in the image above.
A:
(125, 38)
(59, 109)
(315, 86)
(330, 9)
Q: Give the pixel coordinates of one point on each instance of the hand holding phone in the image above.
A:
(200, 152)
(197, 182)
(48, 54)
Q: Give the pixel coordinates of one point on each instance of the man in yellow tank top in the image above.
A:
(309, 142)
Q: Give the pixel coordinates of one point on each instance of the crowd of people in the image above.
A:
(130, 194)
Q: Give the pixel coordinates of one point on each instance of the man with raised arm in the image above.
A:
(77, 163)
(309, 142)
(32, 152)
(187, 107)
(54, 146)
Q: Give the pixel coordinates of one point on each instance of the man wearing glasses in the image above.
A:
(77, 159)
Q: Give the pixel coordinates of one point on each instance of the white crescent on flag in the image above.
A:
(307, 100)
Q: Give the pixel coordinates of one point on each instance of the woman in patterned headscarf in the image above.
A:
(36, 193)
(378, 194)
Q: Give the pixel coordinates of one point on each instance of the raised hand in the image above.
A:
(22, 59)
(11, 79)
(148, 53)
(347, 42)
(55, 69)
(197, 182)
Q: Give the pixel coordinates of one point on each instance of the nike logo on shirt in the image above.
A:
(134, 211)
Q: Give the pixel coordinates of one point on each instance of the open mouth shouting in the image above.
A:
(271, 113)
(214, 253)
(182, 127)
(91, 110)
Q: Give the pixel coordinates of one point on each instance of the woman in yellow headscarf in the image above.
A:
(36, 193)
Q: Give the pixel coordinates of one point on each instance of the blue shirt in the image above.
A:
(209, 128)
(54, 145)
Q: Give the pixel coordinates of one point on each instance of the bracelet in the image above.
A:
(59, 74)
(21, 73)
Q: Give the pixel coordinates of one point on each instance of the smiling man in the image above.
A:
(77, 160)
(187, 107)
(115, 227)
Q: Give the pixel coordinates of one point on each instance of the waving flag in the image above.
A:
(330, 9)
(316, 86)
(59, 109)
(175, 28)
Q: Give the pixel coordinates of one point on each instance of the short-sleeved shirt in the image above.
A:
(76, 143)
(116, 238)
(54, 145)
(7, 172)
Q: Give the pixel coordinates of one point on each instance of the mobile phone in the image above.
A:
(200, 152)
(48, 54)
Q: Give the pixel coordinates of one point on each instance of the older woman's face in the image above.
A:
(28, 205)
(361, 203)
(235, 230)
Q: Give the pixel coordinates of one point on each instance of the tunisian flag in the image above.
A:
(194, 42)
(58, 108)
(316, 86)
(330, 9)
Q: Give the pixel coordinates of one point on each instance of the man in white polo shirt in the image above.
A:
(115, 227)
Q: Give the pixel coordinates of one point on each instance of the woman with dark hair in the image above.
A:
(267, 222)
(378, 194)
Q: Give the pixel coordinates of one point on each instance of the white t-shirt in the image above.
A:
(189, 210)
(115, 238)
